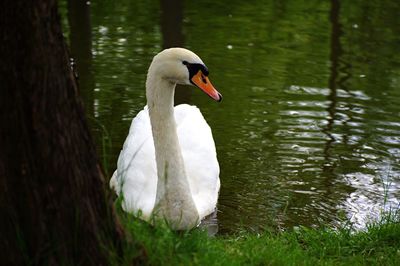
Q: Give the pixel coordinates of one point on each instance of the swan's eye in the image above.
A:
(185, 62)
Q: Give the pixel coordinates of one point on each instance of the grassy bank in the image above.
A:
(378, 245)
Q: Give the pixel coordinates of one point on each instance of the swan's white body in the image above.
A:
(168, 165)
(139, 161)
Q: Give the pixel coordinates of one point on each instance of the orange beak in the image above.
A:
(202, 81)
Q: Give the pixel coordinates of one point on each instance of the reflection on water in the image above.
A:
(309, 129)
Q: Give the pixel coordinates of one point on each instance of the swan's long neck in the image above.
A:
(173, 199)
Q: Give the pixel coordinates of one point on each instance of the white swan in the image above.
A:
(168, 165)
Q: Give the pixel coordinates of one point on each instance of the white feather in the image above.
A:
(137, 171)
(184, 143)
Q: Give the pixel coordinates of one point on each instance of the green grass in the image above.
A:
(379, 244)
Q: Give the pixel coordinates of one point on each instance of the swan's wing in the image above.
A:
(136, 173)
(200, 157)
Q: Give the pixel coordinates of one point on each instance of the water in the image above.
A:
(308, 132)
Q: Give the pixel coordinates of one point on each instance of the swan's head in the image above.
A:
(181, 66)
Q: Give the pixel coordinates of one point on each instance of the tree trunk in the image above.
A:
(52, 192)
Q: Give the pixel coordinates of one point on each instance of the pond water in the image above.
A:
(308, 132)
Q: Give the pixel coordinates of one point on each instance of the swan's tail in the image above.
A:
(114, 182)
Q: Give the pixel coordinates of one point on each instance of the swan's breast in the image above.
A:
(200, 157)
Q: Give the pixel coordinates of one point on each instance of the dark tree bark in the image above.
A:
(52, 192)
